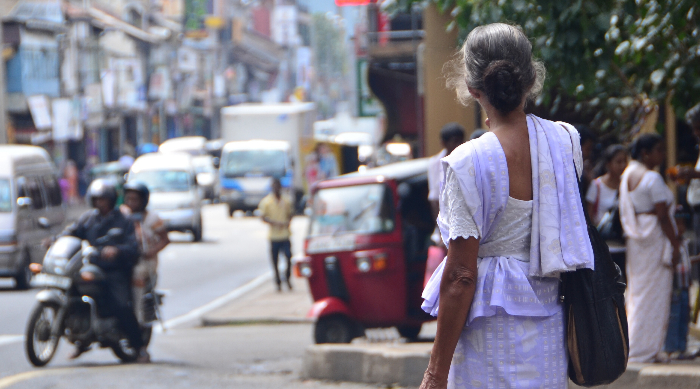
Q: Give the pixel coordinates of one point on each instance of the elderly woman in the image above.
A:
(653, 247)
(512, 218)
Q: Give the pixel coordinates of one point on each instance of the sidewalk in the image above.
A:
(393, 362)
(265, 305)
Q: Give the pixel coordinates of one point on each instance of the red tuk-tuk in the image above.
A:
(366, 251)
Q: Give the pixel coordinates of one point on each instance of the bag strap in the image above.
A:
(597, 196)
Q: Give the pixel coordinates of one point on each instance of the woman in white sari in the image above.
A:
(653, 247)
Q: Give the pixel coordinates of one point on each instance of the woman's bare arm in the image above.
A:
(661, 211)
(456, 294)
(591, 210)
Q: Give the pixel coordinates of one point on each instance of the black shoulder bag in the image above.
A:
(596, 321)
(610, 227)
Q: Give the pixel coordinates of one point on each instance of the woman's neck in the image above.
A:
(515, 120)
(612, 181)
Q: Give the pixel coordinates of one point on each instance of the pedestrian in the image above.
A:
(588, 142)
(477, 133)
(451, 136)
(499, 317)
(276, 210)
(603, 193)
(653, 248)
(152, 237)
(312, 169)
(685, 173)
(327, 163)
(677, 335)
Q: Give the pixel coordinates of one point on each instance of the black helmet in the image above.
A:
(102, 188)
(139, 188)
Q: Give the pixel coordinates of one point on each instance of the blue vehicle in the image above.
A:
(246, 171)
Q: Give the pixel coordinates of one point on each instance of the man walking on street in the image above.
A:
(276, 210)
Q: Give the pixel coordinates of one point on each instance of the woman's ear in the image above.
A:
(474, 92)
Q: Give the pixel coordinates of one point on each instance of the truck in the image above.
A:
(255, 131)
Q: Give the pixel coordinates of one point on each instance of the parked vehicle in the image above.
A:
(193, 145)
(366, 251)
(247, 169)
(31, 209)
(290, 122)
(175, 196)
(207, 176)
(71, 303)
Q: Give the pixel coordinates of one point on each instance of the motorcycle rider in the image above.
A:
(117, 260)
(152, 237)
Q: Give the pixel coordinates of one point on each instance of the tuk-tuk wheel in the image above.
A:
(334, 329)
(409, 332)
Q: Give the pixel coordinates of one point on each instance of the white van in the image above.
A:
(171, 179)
(193, 145)
(31, 209)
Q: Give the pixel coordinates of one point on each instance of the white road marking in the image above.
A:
(192, 315)
(9, 339)
(214, 304)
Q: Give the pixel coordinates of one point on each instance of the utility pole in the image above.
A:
(3, 90)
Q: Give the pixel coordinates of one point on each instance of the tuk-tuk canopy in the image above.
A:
(399, 171)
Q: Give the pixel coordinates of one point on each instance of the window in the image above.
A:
(52, 190)
(31, 188)
(5, 196)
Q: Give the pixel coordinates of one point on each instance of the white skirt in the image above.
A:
(506, 351)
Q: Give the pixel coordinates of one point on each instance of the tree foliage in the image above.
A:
(606, 59)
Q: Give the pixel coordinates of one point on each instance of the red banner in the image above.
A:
(343, 3)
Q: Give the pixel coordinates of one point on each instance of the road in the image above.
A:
(195, 276)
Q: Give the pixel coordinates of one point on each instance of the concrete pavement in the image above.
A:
(396, 362)
(265, 305)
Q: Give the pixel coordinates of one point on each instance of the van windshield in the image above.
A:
(240, 163)
(5, 196)
(163, 180)
(362, 209)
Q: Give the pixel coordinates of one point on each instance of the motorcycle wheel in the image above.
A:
(39, 344)
(125, 352)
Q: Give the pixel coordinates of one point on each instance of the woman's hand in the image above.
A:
(676, 256)
(430, 381)
(685, 173)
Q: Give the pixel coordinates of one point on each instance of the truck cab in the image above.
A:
(247, 169)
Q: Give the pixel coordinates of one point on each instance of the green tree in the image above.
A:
(330, 60)
(606, 59)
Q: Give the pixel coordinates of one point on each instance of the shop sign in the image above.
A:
(159, 85)
(187, 59)
(107, 78)
(195, 16)
(39, 108)
(66, 120)
(284, 25)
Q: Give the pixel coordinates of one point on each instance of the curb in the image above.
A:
(216, 322)
(375, 365)
(392, 366)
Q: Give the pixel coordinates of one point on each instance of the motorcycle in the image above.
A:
(71, 304)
